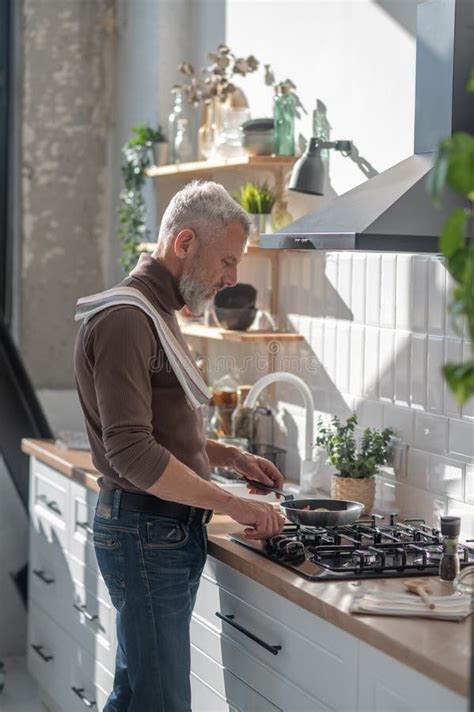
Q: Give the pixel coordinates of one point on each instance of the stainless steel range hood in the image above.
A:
(392, 211)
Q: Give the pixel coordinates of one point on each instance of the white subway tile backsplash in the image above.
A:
(470, 484)
(369, 414)
(461, 438)
(330, 348)
(431, 433)
(344, 286)
(451, 327)
(330, 287)
(466, 512)
(416, 502)
(386, 365)
(418, 371)
(371, 362)
(317, 338)
(468, 408)
(435, 381)
(403, 309)
(447, 477)
(401, 420)
(402, 368)
(452, 354)
(372, 282)
(356, 375)
(358, 288)
(419, 293)
(388, 283)
(343, 355)
(436, 296)
(418, 468)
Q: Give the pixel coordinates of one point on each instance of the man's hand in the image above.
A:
(263, 519)
(253, 467)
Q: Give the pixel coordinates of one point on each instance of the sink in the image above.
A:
(240, 490)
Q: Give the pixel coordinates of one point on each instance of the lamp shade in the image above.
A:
(309, 174)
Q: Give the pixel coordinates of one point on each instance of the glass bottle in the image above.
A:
(321, 127)
(183, 148)
(243, 425)
(176, 113)
(281, 217)
(449, 563)
(284, 117)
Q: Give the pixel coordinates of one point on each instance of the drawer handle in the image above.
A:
(79, 691)
(86, 527)
(273, 649)
(51, 504)
(39, 650)
(85, 612)
(41, 575)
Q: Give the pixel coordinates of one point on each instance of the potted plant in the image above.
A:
(257, 200)
(138, 154)
(356, 465)
(160, 147)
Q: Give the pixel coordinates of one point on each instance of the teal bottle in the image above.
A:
(284, 117)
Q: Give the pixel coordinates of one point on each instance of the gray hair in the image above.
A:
(203, 206)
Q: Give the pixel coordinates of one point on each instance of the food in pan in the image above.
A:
(317, 509)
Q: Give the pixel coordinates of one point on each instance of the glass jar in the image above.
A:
(284, 116)
(449, 563)
(177, 113)
(229, 143)
(321, 128)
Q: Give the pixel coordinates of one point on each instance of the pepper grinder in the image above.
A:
(449, 563)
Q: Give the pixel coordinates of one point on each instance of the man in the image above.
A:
(139, 392)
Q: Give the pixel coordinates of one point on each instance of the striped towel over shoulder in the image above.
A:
(196, 390)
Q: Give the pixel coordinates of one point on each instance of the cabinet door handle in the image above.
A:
(85, 612)
(273, 649)
(51, 504)
(41, 575)
(39, 650)
(79, 691)
(86, 527)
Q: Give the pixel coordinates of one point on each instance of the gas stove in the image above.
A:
(370, 548)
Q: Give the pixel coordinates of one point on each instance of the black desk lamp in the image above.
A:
(309, 172)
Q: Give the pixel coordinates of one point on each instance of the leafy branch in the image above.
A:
(138, 153)
(454, 167)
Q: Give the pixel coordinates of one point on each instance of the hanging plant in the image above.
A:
(454, 166)
(138, 153)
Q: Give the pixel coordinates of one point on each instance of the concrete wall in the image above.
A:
(67, 95)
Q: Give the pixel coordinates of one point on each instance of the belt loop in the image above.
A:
(116, 503)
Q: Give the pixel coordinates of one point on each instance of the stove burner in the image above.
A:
(369, 548)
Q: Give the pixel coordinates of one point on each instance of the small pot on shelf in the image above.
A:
(160, 153)
(355, 489)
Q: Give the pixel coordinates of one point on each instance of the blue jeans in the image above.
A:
(151, 566)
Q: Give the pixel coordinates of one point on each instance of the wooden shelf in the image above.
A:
(270, 163)
(216, 334)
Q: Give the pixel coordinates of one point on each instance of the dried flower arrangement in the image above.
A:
(214, 81)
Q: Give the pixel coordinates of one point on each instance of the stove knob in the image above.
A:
(273, 544)
(294, 551)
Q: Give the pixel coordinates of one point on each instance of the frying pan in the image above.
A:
(341, 511)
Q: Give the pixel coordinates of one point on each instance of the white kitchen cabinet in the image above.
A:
(71, 621)
(385, 685)
(262, 653)
(304, 674)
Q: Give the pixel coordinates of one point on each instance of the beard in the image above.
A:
(195, 289)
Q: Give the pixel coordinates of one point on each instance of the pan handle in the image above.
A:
(274, 649)
(268, 488)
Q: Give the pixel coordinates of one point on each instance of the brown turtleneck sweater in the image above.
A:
(135, 409)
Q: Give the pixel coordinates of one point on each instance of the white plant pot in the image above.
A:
(261, 223)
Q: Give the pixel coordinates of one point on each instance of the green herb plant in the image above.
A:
(339, 441)
(454, 167)
(256, 198)
(138, 153)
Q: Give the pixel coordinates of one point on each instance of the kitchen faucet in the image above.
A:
(308, 466)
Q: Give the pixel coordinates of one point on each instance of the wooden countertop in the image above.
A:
(437, 649)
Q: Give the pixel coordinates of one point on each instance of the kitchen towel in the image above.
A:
(197, 393)
(453, 608)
